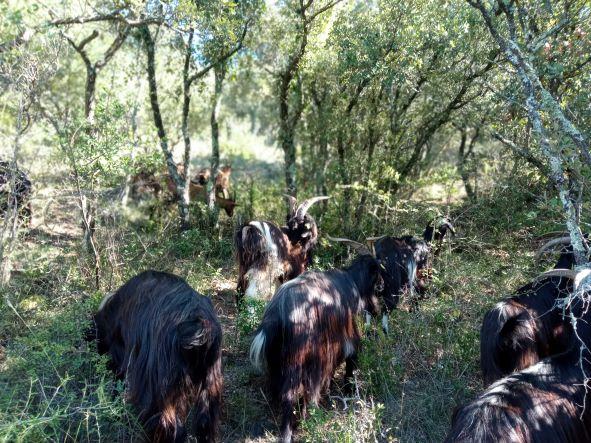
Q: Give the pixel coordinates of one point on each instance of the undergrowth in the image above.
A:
(53, 386)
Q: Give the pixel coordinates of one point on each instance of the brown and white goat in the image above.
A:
(309, 329)
(164, 340)
(268, 254)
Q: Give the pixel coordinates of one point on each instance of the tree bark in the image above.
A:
(463, 156)
(529, 82)
(181, 190)
(219, 74)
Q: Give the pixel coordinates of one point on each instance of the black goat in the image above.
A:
(164, 339)
(15, 191)
(267, 253)
(405, 263)
(543, 403)
(309, 329)
(527, 327)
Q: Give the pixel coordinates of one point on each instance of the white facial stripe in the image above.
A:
(270, 243)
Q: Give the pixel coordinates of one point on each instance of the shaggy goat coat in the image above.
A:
(527, 327)
(164, 339)
(542, 403)
(406, 265)
(268, 254)
(309, 329)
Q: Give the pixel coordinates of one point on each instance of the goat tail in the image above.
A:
(257, 351)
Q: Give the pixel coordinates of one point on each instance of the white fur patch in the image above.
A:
(385, 325)
(412, 276)
(367, 319)
(262, 282)
(264, 229)
(256, 354)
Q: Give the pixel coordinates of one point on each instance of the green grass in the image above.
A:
(53, 386)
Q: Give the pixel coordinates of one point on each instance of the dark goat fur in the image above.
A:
(309, 329)
(542, 403)
(407, 263)
(267, 253)
(164, 339)
(527, 327)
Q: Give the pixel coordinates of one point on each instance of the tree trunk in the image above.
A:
(90, 95)
(365, 180)
(185, 115)
(462, 157)
(181, 190)
(529, 81)
(286, 136)
(219, 74)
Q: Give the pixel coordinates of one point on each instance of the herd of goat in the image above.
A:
(165, 340)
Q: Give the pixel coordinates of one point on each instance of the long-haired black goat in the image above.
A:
(164, 340)
(268, 254)
(405, 262)
(309, 329)
(527, 327)
(542, 403)
(15, 190)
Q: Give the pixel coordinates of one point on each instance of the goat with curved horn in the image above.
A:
(268, 254)
(522, 329)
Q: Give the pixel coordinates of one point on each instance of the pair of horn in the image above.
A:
(303, 208)
(361, 248)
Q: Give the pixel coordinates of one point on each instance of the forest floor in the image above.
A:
(54, 387)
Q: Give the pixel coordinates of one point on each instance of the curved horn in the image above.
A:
(375, 239)
(292, 203)
(303, 208)
(568, 273)
(359, 247)
(551, 244)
